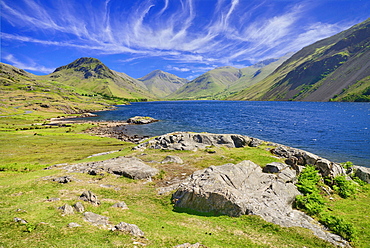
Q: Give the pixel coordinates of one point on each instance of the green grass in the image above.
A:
(154, 214)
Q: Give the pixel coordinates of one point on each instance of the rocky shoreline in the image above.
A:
(111, 129)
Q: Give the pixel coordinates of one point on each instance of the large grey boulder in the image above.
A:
(129, 228)
(363, 173)
(129, 167)
(172, 159)
(194, 141)
(243, 188)
(296, 157)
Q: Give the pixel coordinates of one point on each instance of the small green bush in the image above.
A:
(345, 188)
(307, 180)
(312, 204)
(338, 226)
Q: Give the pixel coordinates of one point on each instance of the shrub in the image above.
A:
(307, 180)
(338, 226)
(312, 204)
(345, 188)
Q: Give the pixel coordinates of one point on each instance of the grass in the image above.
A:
(24, 194)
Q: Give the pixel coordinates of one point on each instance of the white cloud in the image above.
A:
(30, 65)
(168, 29)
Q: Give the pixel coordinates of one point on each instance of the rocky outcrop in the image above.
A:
(129, 167)
(141, 120)
(172, 159)
(243, 188)
(194, 141)
(79, 207)
(129, 228)
(363, 173)
(121, 205)
(96, 219)
(66, 209)
(296, 157)
(63, 179)
(89, 196)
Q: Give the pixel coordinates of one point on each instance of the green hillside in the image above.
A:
(91, 74)
(162, 84)
(224, 81)
(336, 68)
(24, 92)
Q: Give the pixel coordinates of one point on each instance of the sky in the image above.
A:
(183, 37)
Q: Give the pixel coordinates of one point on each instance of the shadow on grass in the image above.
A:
(195, 212)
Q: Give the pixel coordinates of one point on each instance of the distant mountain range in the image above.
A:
(333, 69)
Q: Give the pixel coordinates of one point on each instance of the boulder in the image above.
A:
(129, 228)
(194, 141)
(172, 159)
(20, 220)
(89, 196)
(296, 157)
(363, 173)
(121, 205)
(63, 179)
(79, 207)
(188, 245)
(73, 224)
(283, 172)
(141, 120)
(129, 167)
(66, 209)
(243, 188)
(96, 219)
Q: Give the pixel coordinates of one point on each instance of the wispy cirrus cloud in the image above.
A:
(224, 32)
(28, 65)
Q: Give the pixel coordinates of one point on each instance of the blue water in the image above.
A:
(336, 131)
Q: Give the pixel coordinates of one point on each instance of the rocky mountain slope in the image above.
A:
(224, 81)
(24, 92)
(335, 68)
(162, 84)
(91, 74)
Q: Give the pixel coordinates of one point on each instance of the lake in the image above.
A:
(337, 131)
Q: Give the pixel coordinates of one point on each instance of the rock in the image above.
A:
(363, 173)
(96, 219)
(52, 199)
(63, 179)
(188, 245)
(296, 157)
(194, 141)
(121, 205)
(283, 172)
(79, 207)
(243, 188)
(20, 220)
(129, 167)
(141, 120)
(66, 209)
(73, 224)
(88, 196)
(172, 159)
(129, 228)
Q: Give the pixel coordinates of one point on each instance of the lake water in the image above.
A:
(336, 131)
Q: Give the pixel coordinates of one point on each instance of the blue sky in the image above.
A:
(183, 37)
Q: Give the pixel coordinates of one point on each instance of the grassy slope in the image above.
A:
(28, 190)
(320, 71)
(21, 91)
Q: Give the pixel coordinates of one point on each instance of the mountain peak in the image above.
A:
(91, 67)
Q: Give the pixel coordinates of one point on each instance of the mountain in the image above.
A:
(224, 81)
(24, 92)
(92, 75)
(335, 68)
(162, 84)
